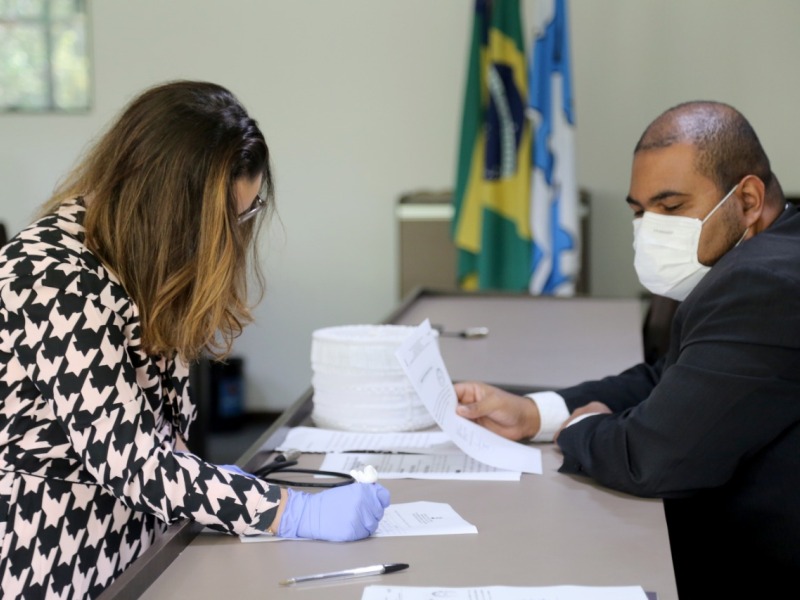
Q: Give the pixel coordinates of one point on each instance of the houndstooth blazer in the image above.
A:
(89, 474)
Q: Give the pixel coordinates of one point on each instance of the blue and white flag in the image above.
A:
(554, 196)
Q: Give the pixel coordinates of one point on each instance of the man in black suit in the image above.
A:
(714, 426)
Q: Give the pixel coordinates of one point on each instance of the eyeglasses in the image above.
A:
(259, 204)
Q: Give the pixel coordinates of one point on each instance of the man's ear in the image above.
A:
(752, 192)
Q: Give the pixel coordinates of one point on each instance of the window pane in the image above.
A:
(66, 9)
(44, 55)
(70, 66)
(23, 68)
(24, 8)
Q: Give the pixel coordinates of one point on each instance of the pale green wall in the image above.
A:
(360, 102)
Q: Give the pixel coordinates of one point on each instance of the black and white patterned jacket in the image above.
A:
(88, 424)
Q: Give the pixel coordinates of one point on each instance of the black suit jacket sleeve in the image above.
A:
(729, 386)
(618, 392)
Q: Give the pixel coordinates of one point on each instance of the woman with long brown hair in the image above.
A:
(137, 266)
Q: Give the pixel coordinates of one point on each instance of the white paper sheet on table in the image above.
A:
(420, 359)
(315, 439)
(420, 466)
(406, 519)
(422, 518)
(557, 592)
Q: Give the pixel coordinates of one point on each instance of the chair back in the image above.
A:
(657, 326)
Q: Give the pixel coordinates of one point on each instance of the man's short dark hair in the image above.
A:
(727, 145)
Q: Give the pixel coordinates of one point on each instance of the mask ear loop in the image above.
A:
(741, 239)
(720, 203)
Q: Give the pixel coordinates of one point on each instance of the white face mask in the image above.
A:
(666, 252)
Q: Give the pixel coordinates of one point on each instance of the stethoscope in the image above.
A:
(284, 463)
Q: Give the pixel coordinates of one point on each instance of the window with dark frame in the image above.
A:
(44, 56)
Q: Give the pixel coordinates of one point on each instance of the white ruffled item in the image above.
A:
(358, 382)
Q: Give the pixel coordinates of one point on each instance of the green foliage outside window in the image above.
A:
(44, 56)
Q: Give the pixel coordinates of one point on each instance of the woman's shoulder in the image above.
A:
(51, 254)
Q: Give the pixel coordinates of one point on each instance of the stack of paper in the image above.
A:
(558, 592)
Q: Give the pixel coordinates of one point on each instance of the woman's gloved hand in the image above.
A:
(340, 514)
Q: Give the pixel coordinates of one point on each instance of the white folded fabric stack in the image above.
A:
(358, 382)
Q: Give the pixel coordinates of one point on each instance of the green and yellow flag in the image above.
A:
(491, 222)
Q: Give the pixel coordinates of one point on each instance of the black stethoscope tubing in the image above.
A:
(285, 466)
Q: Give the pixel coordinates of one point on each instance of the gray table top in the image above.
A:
(546, 529)
(538, 342)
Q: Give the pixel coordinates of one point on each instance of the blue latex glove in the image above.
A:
(234, 469)
(340, 514)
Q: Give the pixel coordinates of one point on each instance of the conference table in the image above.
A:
(543, 530)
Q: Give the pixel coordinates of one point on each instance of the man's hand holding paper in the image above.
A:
(513, 417)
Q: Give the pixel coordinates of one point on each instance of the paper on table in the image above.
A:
(556, 592)
(422, 518)
(420, 359)
(314, 439)
(420, 466)
(409, 519)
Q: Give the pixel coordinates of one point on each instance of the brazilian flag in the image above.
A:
(491, 222)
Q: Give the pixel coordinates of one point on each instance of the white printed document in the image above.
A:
(315, 439)
(420, 359)
(556, 592)
(419, 466)
(422, 518)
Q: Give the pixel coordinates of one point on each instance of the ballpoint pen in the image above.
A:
(347, 573)
(469, 333)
